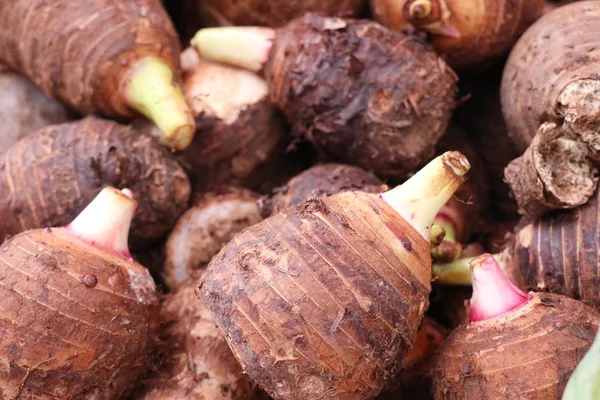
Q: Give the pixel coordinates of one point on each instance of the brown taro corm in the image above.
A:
(272, 13)
(319, 181)
(215, 217)
(49, 176)
(324, 299)
(468, 33)
(24, 108)
(550, 75)
(517, 345)
(119, 58)
(79, 316)
(197, 363)
(360, 93)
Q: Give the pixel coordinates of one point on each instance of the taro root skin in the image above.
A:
(551, 74)
(58, 45)
(528, 353)
(198, 364)
(213, 220)
(24, 108)
(49, 176)
(77, 322)
(273, 13)
(351, 100)
(468, 33)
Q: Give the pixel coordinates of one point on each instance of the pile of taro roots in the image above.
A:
(299, 200)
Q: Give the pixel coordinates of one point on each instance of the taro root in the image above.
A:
(468, 33)
(49, 176)
(24, 108)
(324, 299)
(79, 316)
(319, 181)
(343, 86)
(197, 363)
(119, 58)
(517, 345)
(215, 217)
(272, 13)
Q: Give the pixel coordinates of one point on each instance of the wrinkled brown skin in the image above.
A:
(322, 300)
(343, 86)
(49, 176)
(555, 172)
(78, 52)
(561, 47)
(24, 108)
(481, 116)
(197, 364)
(559, 254)
(272, 13)
(526, 354)
(244, 150)
(213, 220)
(319, 181)
(414, 380)
(65, 340)
(488, 28)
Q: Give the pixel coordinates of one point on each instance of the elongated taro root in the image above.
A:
(272, 13)
(50, 175)
(197, 364)
(324, 299)
(467, 32)
(24, 108)
(517, 345)
(213, 220)
(551, 75)
(115, 57)
(78, 314)
(343, 86)
(319, 181)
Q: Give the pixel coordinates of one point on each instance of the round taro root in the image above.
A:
(324, 299)
(213, 220)
(24, 108)
(119, 58)
(319, 181)
(272, 13)
(78, 314)
(50, 175)
(342, 85)
(517, 345)
(468, 33)
(197, 364)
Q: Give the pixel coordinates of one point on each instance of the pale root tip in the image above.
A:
(457, 161)
(493, 293)
(244, 47)
(105, 222)
(150, 88)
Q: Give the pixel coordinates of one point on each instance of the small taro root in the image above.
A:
(79, 316)
(517, 345)
(468, 33)
(552, 76)
(342, 85)
(319, 181)
(197, 363)
(324, 299)
(555, 172)
(272, 13)
(24, 108)
(213, 220)
(119, 58)
(50, 175)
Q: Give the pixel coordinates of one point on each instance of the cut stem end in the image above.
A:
(150, 88)
(105, 222)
